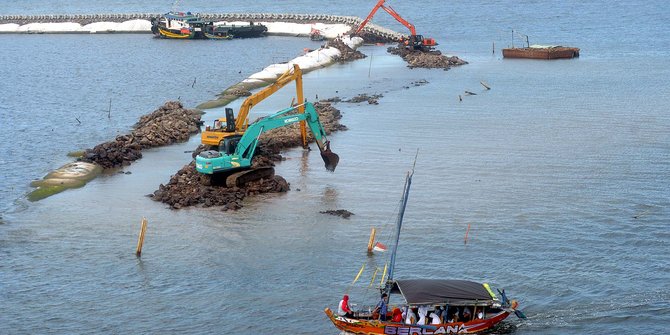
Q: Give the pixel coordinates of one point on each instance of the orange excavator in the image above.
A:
(415, 42)
(223, 128)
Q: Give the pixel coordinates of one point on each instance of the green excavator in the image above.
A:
(235, 154)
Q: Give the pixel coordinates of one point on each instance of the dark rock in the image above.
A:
(339, 212)
(426, 59)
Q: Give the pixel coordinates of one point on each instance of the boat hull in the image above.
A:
(541, 53)
(373, 327)
(179, 35)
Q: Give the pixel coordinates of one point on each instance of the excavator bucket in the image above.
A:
(330, 158)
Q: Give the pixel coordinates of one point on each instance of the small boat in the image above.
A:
(218, 35)
(541, 52)
(461, 306)
(315, 35)
(185, 25)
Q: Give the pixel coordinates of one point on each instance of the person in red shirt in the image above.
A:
(343, 309)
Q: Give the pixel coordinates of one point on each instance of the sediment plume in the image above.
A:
(185, 188)
(168, 124)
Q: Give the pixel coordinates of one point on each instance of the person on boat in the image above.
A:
(423, 312)
(454, 316)
(382, 307)
(410, 318)
(397, 315)
(435, 318)
(467, 315)
(343, 309)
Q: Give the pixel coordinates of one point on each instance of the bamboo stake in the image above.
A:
(140, 240)
(372, 240)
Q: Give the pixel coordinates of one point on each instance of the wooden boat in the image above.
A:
(541, 52)
(185, 25)
(218, 35)
(484, 309)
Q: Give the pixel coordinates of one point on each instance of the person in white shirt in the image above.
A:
(423, 312)
(435, 318)
(410, 319)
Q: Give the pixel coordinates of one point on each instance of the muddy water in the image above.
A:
(561, 170)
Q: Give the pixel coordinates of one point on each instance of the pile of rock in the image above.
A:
(371, 99)
(347, 54)
(426, 59)
(168, 124)
(186, 189)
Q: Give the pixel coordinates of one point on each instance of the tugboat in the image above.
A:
(179, 25)
(185, 25)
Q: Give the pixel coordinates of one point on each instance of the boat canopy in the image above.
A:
(442, 291)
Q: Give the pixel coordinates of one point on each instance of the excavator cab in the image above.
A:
(229, 144)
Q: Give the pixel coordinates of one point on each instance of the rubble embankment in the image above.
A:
(185, 188)
(347, 53)
(426, 59)
(168, 124)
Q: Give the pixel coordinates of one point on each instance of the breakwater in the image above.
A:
(85, 19)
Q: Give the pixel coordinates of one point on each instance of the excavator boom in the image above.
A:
(389, 10)
(415, 41)
(215, 136)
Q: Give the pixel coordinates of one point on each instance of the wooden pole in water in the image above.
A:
(372, 240)
(140, 240)
(465, 241)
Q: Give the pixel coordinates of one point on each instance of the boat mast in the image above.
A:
(174, 5)
(401, 213)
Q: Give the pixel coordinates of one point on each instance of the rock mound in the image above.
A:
(347, 54)
(426, 59)
(168, 124)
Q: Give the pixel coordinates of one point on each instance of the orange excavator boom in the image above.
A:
(236, 126)
(390, 10)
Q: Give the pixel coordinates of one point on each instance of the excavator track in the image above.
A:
(241, 178)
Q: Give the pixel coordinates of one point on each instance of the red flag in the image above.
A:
(379, 247)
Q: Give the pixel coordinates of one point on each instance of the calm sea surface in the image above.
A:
(562, 171)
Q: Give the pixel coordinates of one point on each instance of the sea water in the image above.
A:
(560, 170)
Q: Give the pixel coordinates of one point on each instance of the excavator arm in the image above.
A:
(389, 10)
(416, 42)
(249, 141)
(294, 73)
(216, 135)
